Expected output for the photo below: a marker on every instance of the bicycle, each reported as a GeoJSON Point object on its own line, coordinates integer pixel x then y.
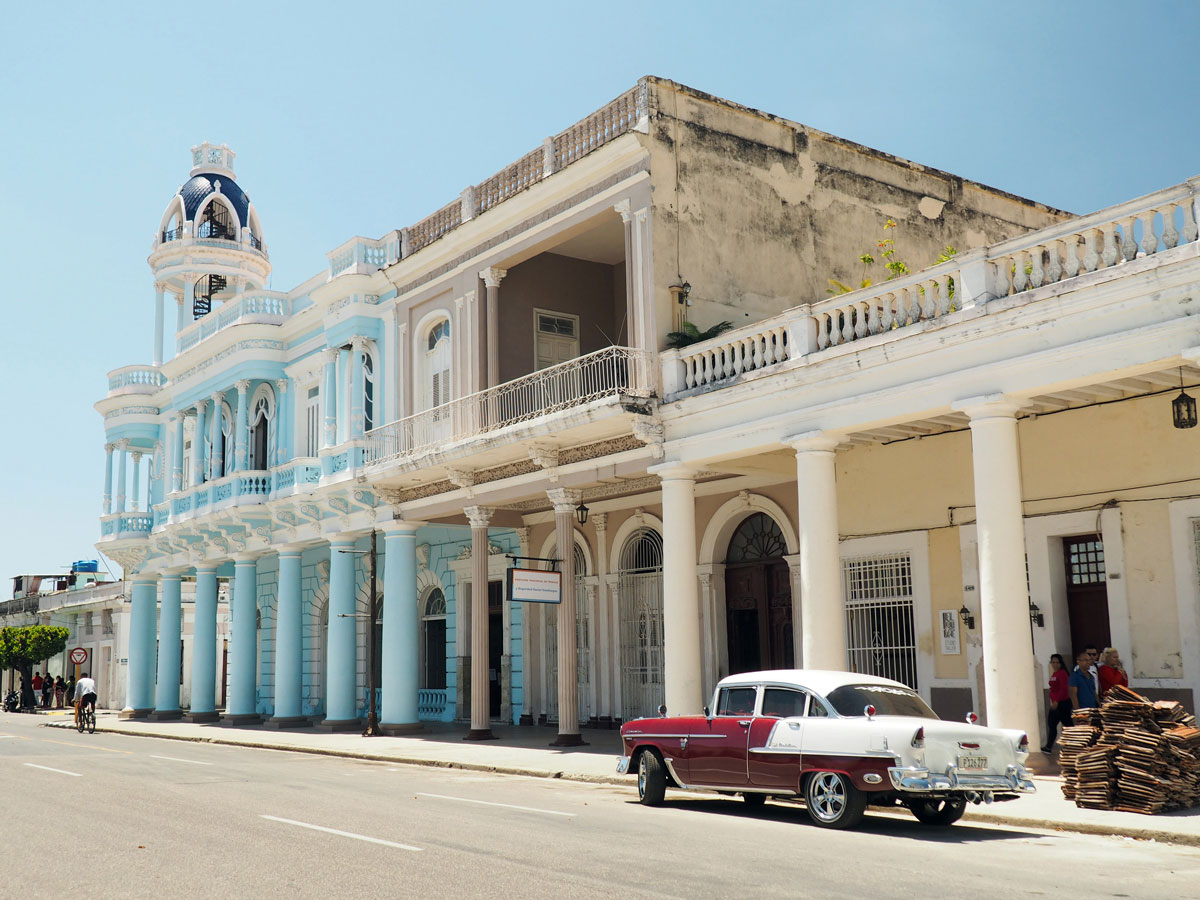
{"type": "Point", "coordinates": [87, 718]}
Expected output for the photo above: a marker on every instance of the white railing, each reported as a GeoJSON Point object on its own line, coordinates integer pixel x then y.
{"type": "Point", "coordinates": [611, 372]}
{"type": "Point", "coordinates": [1111, 237]}
{"type": "Point", "coordinates": [363, 256]}
{"type": "Point", "coordinates": [136, 379]}
{"type": "Point", "coordinates": [249, 309]}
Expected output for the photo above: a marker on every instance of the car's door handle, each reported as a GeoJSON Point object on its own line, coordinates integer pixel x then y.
{"type": "Point", "coordinates": [745, 723]}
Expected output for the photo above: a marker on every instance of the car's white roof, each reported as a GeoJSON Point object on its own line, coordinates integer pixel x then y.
{"type": "Point", "coordinates": [820, 680]}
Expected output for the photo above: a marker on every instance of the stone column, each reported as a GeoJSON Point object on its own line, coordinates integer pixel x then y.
{"type": "Point", "coordinates": [530, 649]}
{"type": "Point", "coordinates": [329, 398]}
{"type": "Point", "coordinates": [284, 419]}
{"type": "Point", "coordinates": [189, 299]}
{"type": "Point", "coordinates": [289, 642]}
{"type": "Point", "coordinates": [177, 452]}
{"type": "Point", "coordinates": [492, 276]}
{"type": "Point", "coordinates": [565, 502]}
{"type": "Point", "coordinates": [682, 678]}
{"type": "Point", "coordinates": [643, 281]}
{"type": "Point", "coordinates": [198, 445]}
{"type": "Point", "coordinates": [159, 288]}
{"type": "Point", "coordinates": [142, 631]}
{"type": "Point", "coordinates": [358, 347]}
{"type": "Point", "coordinates": [632, 328]}
{"type": "Point", "coordinates": [122, 448]}
{"type": "Point", "coordinates": [204, 646]}
{"type": "Point", "coordinates": [481, 729]}
{"type": "Point", "coordinates": [341, 702]}
{"type": "Point", "coordinates": [241, 427]}
{"type": "Point", "coordinates": [343, 409]}
{"type": "Point", "coordinates": [216, 460]}
{"type": "Point", "coordinates": [797, 585]}
{"type": "Point", "coordinates": [170, 629]}
{"type": "Point", "coordinates": [822, 610]}
{"type": "Point", "coordinates": [135, 501]}
{"type": "Point", "coordinates": [180, 317]}
{"type": "Point", "coordinates": [602, 649]}
{"type": "Point", "coordinates": [400, 678]}
{"type": "Point", "coordinates": [1010, 690]}
{"type": "Point", "coordinates": [107, 505]}
{"type": "Point", "coordinates": [242, 706]}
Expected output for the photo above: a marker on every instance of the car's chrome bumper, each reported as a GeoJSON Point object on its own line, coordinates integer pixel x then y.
{"type": "Point", "coordinates": [622, 765]}
{"type": "Point", "coordinates": [914, 779]}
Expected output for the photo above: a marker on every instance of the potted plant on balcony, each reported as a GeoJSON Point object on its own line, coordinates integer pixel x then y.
{"type": "Point", "coordinates": [689, 334]}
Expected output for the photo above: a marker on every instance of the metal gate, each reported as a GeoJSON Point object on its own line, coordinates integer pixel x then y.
{"type": "Point", "coordinates": [582, 646]}
{"type": "Point", "coordinates": [640, 586]}
{"type": "Point", "coordinates": [880, 631]}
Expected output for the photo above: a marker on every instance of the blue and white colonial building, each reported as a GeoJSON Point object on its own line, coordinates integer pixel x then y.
{"type": "Point", "coordinates": [942, 478]}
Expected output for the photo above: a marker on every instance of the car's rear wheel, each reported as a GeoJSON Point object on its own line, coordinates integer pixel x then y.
{"type": "Point", "coordinates": [754, 801]}
{"type": "Point", "coordinates": [938, 812]}
{"type": "Point", "coordinates": [833, 801]}
{"type": "Point", "coordinates": [652, 778]}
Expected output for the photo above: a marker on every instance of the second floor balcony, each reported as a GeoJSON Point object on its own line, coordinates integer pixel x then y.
{"type": "Point", "coordinates": [259, 308]}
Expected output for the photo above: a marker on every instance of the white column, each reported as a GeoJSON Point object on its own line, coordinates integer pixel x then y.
{"type": "Point", "coordinates": [122, 448]}
{"type": "Point", "coordinates": [481, 729]}
{"type": "Point", "coordinates": [189, 298]}
{"type": "Point", "coordinates": [492, 276]}
{"type": "Point", "coordinates": [241, 428]}
{"type": "Point", "coordinates": [357, 398]}
{"type": "Point", "coordinates": [681, 593]}
{"type": "Point", "coordinates": [797, 608]}
{"type": "Point", "coordinates": [565, 503]}
{"type": "Point", "coordinates": [632, 328]}
{"type": "Point", "coordinates": [198, 445]}
{"type": "Point", "coordinates": [602, 628]}
{"type": "Point", "coordinates": [823, 623]}
{"type": "Point", "coordinates": [177, 452]}
{"type": "Point", "coordinates": [1009, 685]}
{"type": "Point", "coordinates": [159, 287]}
{"type": "Point", "coordinates": [216, 462]}
{"type": "Point", "coordinates": [135, 499]}
{"type": "Point", "coordinates": [647, 338]}
{"type": "Point", "coordinates": [108, 499]}
{"type": "Point", "coordinates": [329, 402]}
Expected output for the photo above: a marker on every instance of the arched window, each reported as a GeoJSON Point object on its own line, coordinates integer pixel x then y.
{"type": "Point", "coordinates": [227, 459]}
{"type": "Point", "coordinates": [436, 365]}
{"type": "Point", "coordinates": [757, 538]}
{"type": "Point", "coordinates": [640, 593]}
{"type": "Point", "coordinates": [261, 414]}
{"type": "Point", "coordinates": [368, 391]}
{"type": "Point", "coordinates": [433, 641]}
{"type": "Point", "coordinates": [216, 221]}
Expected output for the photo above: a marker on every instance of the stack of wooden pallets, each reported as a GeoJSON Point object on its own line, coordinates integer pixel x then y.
{"type": "Point", "coordinates": [1132, 755]}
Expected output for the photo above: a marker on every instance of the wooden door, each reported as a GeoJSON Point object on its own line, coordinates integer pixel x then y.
{"type": "Point", "coordinates": [1087, 592]}
{"type": "Point", "coordinates": [746, 614]}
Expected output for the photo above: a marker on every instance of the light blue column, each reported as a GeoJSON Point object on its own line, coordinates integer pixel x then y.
{"type": "Point", "coordinates": [243, 654]}
{"type": "Point", "coordinates": [204, 644]}
{"type": "Point", "coordinates": [170, 627]}
{"type": "Point", "coordinates": [283, 427]}
{"type": "Point", "coordinates": [240, 428]}
{"type": "Point", "coordinates": [143, 612]}
{"type": "Point", "coordinates": [288, 637]}
{"type": "Point", "coordinates": [121, 477]}
{"type": "Point", "coordinates": [356, 389]}
{"type": "Point", "coordinates": [198, 445]}
{"type": "Point", "coordinates": [329, 399]}
{"type": "Point", "coordinates": [401, 675]}
{"type": "Point", "coordinates": [177, 453]}
{"type": "Point", "coordinates": [108, 456]}
{"type": "Point", "coordinates": [340, 668]}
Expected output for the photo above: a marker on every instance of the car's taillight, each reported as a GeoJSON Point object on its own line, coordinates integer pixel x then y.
{"type": "Point", "coordinates": [918, 740]}
{"type": "Point", "coordinates": [869, 711]}
{"type": "Point", "coordinates": [972, 718]}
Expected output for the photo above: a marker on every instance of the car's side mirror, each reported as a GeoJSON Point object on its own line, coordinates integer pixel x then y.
{"type": "Point", "coordinates": [707, 713]}
{"type": "Point", "coordinates": [662, 709]}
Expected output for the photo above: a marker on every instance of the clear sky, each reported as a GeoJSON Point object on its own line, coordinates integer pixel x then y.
{"type": "Point", "coordinates": [356, 118]}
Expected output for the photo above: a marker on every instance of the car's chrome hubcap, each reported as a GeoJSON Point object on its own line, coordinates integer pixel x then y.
{"type": "Point", "coordinates": [828, 797]}
{"type": "Point", "coordinates": [642, 776]}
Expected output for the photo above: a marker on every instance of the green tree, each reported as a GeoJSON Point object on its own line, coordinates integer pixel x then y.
{"type": "Point", "coordinates": [23, 647]}
{"type": "Point", "coordinates": [690, 334]}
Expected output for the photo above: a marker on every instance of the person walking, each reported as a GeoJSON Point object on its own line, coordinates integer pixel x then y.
{"type": "Point", "coordinates": [60, 688]}
{"type": "Point", "coordinates": [1112, 671]}
{"type": "Point", "coordinates": [47, 691]}
{"type": "Point", "coordinates": [1080, 686]}
{"type": "Point", "coordinates": [1060, 701]}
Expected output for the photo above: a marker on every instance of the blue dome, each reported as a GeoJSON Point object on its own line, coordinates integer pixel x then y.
{"type": "Point", "coordinates": [197, 188]}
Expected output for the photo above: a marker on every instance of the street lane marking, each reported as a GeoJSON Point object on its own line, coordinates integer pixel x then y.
{"type": "Point", "coordinates": [194, 762]}
{"type": "Point", "coordinates": [549, 812]}
{"type": "Point", "coordinates": [48, 769]}
{"type": "Point", "coordinates": [3, 736]}
{"type": "Point", "coordinates": [84, 746]}
{"type": "Point", "coordinates": [349, 834]}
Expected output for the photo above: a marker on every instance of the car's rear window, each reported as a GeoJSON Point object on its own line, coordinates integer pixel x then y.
{"type": "Point", "coordinates": [852, 699]}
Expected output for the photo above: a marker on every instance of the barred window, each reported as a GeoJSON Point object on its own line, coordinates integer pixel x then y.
{"type": "Point", "coordinates": [1085, 560]}
{"type": "Point", "coordinates": [880, 631]}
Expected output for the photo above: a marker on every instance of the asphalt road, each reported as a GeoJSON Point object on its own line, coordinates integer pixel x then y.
{"type": "Point", "coordinates": [155, 818]}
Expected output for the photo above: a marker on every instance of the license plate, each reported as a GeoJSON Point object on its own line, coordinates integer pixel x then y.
{"type": "Point", "coordinates": [972, 762]}
{"type": "Point", "coordinates": [622, 765]}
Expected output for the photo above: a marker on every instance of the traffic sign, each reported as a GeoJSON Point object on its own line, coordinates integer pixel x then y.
{"type": "Point", "coordinates": [79, 656]}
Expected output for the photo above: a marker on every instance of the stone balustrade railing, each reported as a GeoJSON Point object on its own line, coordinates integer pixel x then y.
{"type": "Point", "coordinates": [611, 372]}
{"type": "Point", "coordinates": [136, 380]}
{"type": "Point", "coordinates": [185, 236]}
{"type": "Point", "coordinates": [363, 256]}
{"type": "Point", "coordinates": [265, 308]}
{"type": "Point", "coordinates": [125, 525]}
{"type": "Point", "coordinates": [1111, 237]}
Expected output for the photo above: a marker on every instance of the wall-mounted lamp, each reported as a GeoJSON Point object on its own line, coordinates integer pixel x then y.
{"type": "Point", "coordinates": [967, 619]}
{"type": "Point", "coordinates": [581, 513]}
{"type": "Point", "coordinates": [680, 290]}
{"type": "Point", "coordinates": [1183, 407]}
{"type": "Point", "coordinates": [1036, 616]}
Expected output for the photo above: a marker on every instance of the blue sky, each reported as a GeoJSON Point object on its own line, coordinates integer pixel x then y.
{"type": "Point", "coordinates": [359, 118]}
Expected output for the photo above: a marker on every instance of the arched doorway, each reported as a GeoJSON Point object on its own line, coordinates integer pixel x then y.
{"type": "Point", "coordinates": [640, 593]}
{"type": "Point", "coordinates": [758, 598]}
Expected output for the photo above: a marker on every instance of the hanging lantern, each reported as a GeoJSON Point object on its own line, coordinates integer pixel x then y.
{"type": "Point", "coordinates": [1183, 407]}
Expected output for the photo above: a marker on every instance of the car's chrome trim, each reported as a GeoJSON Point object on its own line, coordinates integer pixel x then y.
{"type": "Point", "coordinates": [916, 779]}
{"type": "Point", "coordinates": [674, 775]}
{"type": "Point", "coordinates": [775, 792]}
{"type": "Point", "coordinates": [784, 751]}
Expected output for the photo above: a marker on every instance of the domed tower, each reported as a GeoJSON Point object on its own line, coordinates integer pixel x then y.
{"type": "Point", "coordinates": [209, 247]}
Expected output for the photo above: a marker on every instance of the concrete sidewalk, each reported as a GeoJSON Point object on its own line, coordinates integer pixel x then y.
{"type": "Point", "coordinates": [526, 751]}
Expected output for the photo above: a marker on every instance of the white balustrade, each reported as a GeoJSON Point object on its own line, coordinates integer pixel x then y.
{"type": "Point", "coordinates": [136, 379]}
{"type": "Point", "coordinates": [258, 309]}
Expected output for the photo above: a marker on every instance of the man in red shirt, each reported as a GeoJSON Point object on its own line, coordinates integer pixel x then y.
{"type": "Point", "coordinates": [37, 682]}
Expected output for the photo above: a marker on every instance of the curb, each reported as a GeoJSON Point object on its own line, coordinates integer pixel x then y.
{"type": "Point", "coordinates": [1089, 828]}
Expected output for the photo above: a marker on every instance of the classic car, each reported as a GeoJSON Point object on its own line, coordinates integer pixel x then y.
{"type": "Point", "coordinates": [836, 740]}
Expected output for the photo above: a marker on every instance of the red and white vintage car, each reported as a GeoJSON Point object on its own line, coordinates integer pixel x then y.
{"type": "Point", "coordinates": [837, 740]}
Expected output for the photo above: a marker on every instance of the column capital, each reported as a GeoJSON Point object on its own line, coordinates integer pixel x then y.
{"type": "Point", "coordinates": [206, 568]}
{"type": "Point", "coordinates": [458, 305]}
{"type": "Point", "coordinates": [492, 276]}
{"type": "Point", "coordinates": [564, 499]}
{"type": "Point", "coordinates": [200, 406]}
{"type": "Point", "coordinates": [358, 344]}
{"type": "Point", "coordinates": [242, 559]}
{"type": "Point", "coordinates": [399, 527]}
{"type": "Point", "coordinates": [345, 537]}
{"type": "Point", "coordinates": [673, 471]}
{"type": "Point", "coordinates": [217, 397]}
{"type": "Point", "coordinates": [290, 549]}
{"type": "Point", "coordinates": [137, 456]}
{"type": "Point", "coordinates": [281, 385]}
{"type": "Point", "coordinates": [160, 287]}
{"type": "Point", "coordinates": [242, 386]}
{"type": "Point", "coordinates": [110, 446]}
{"type": "Point", "coordinates": [624, 209]}
{"type": "Point", "coordinates": [810, 441]}
{"type": "Point", "coordinates": [600, 522]}
{"type": "Point", "coordinates": [331, 355]}
{"type": "Point", "coordinates": [478, 516]}
{"type": "Point", "coordinates": [988, 406]}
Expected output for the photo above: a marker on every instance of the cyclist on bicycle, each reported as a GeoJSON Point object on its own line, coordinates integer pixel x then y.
{"type": "Point", "coordinates": [85, 695]}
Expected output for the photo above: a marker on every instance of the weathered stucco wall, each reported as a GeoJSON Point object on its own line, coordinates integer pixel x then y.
{"type": "Point", "coordinates": [764, 211]}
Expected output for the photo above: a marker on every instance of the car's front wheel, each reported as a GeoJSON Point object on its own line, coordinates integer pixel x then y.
{"type": "Point", "coordinates": [833, 801]}
{"type": "Point", "coordinates": [652, 778]}
{"type": "Point", "coordinates": [938, 812]}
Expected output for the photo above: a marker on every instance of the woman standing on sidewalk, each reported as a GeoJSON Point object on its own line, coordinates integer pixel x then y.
{"type": "Point", "coordinates": [1111, 671]}
{"type": "Point", "coordinates": [1060, 701]}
